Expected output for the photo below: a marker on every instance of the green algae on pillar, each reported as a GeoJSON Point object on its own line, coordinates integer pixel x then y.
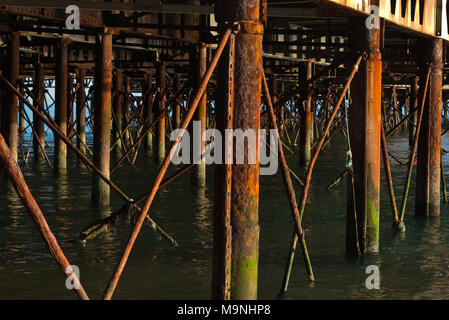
{"type": "Point", "coordinates": [160, 126]}
{"type": "Point", "coordinates": [10, 126]}
{"type": "Point", "coordinates": [81, 111]}
{"type": "Point", "coordinates": [365, 135]}
{"type": "Point", "coordinates": [199, 171]}
{"type": "Point", "coordinates": [428, 171]}
{"type": "Point", "coordinates": [102, 118]}
{"type": "Point", "coordinates": [245, 177]}
{"type": "Point", "coordinates": [60, 149]}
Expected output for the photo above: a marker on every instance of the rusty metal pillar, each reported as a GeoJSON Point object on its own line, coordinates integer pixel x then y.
{"type": "Point", "coordinates": [413, 106]}
{"type": "Point", "coordinates": [38, 124]}
{"type": "Point", "coordinates": [61, 101]}
{"type": "Point", "coordinates": [306, 135]}
{"type": "Point", "coordinates": [81, 110]}
{"type": "Point", "coordinates": [125, 110]}
{"type": "Point", "coordinates": [245, 177]}
{"type": "Point", "coordinates": [199, 171]}
{"type": "Point", "coordinates": [102, 117]}
{"type": "Point", "coordinates": [160, 127]}
{"type": "Point", "coordinates": [22, 112]}
{"type": "Point", "coordinates": [117, 110]}
{"type": "Point", "coordinates": [10, 126]}
{"type": "Point", "coordinates": [70, 100]}
{"type": "Point", "coordinates": [148, 110]}
{"type": "Point", "coordinates": [365, 134]}
{"type": "Point", "coordinates": [428, 174]}
{"type": "Point", "coordinates": [177, 115]}
{"type": "Point", "coordinates": [224, 107]}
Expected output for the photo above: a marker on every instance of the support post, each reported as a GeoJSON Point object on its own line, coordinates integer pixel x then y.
{"type": "Point", "coordinates": [306, 121]}
{"type": "Point", "coordinates": [148, 111]}
{"type": "Point", "coordinates": [365, 135]}
{"type": "Point", "coordinates": [125, 112]}
{"type": "Point", "coordinates": [22, 112]}
{"type": "Point", "coordinates": [60, 149]}
{"type": "Point", "coordinates": [160, 128]}
{"type": "Point", "coordinates": [102, 117]}
{"type": "Point", "coordinates": [199, 171]}
{"type": "Point", "coordinates": [177, 104]}
{"type": "Point", "coordinates": [10, 126]}
{"type": "Point", "coordinates": [245, 177]}
{"type": "Point", "coordinates": [428, 171]}
{"type": "Point", "coordinates": [414, 106]}
{"type": "Point", "coordinates": [39, 93]}
{"type": "Point", "coordinates": [117, 110]}
{"type": "Point", "coordinates": [81, 111]}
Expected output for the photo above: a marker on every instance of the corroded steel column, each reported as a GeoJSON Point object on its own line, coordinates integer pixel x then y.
{"type": "Point", "coordinates": [160, 127]}
{"type": "Point", "coordinates": [148, 112]}
{"type": "Point", "coordinates": [306, 121]}
{"type": "Point", "coordinates": [38, 124]}
{"type": "Point", "coordinates": [21, 112]}
{"type": "Point", "coordinates": [245, 177]}
{"type": "Point", "coordinates": [61, 101]}
{"type": "Point", "coordinates": [413, 106]}
{"type": "Point", "coordinates": [428, 174]}
{"type": "Point", "coordinates": [177, 115]}
{"type": "Point", "coordinates": [10, 126]}
{"type": "Point", "coordinates": [365, 134]}
{"type": "Point", "coordinates": [69, 102]}
{"type": "Point", "coordinates": [199, 171]}
{"type": "Point", "coordinates": [125, 110]}
{"type": "Point", "coordinates": [117, 110]}
{"type": "Point", "coordinates": [102, 117]}
{"type": "Point", "coordinates": [81, 110]}
{"type": "Point", "coordinates": [224, 117]}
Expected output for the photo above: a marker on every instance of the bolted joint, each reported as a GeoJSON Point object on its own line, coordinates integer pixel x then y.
{"type": "Point", "coordinates": [248, 27]}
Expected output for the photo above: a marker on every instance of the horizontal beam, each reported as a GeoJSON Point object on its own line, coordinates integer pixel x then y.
{"type": "Point", "coordinates": [150, 6]}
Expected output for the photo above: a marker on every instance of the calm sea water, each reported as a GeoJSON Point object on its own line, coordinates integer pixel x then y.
{"type": "Point", "coordinates": [413, 266]}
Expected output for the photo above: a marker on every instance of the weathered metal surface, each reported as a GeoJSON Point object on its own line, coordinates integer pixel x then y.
{"type": "Point", "coordinates": [81, 110]}
{"type": "Point", "coordinates": [148, 110]}
{"type": "Point", "coordinates": [224, 118]}
{"type": "Point", "coordinates": [365, 134]}
{"type": "Point", "coordinates": [427, 200]}
{"type": "Point", "coordinates": [10, 125]}
{"type": "Point", "coordinates": [245, 177]}
{"type": "Point", "coordinates": [117, 111]}
{"type": "Point", "coordinates": [161, 84]}
{"type": "Point", "coordinates": [177, 113]}
{"type": "Point", "coordinates": [38, 124]}
{"type": "Point", "coordinates": [199, 171]}
{"type": "Point", "coordinates": [61, 101]}
{"type": "Point", "coordinates": [306, 134]}
{"type": "Point", "coordinates": [102, 117]}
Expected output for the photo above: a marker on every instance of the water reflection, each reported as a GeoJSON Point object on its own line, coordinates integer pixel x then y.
{"type": "Point", "coordinates": [412, 264]}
